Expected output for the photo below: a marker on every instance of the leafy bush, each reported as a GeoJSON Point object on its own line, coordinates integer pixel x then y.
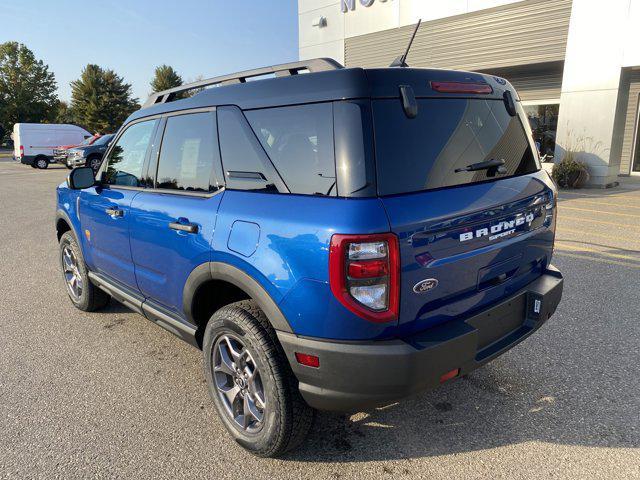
{"type": "Point", "coordinates": [569, 172]}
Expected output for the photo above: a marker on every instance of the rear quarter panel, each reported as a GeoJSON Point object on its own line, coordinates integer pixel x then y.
{"type": "Point", "coordinates": [291, 256]}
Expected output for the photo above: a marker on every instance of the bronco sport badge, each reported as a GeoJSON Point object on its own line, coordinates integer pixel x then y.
{"type": "Point", "coordinates": [500, 229]}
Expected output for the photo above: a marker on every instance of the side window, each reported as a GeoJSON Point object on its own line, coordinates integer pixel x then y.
{"type": "Point", "coordinates": [299, 142]}
{"type": "Point", "coordinates": [188, 152]}
{"type": "Point", "coordinates": [126, 159]}
{"type": "Point", "coordinates": [246, 167]}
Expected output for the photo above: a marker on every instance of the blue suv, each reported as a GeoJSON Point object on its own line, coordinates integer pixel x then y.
{"type": "Point", "coordinates": [331, 238]}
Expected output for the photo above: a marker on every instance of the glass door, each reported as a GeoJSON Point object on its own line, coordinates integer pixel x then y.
{"type": "Point", "coordinates": [543, 118]}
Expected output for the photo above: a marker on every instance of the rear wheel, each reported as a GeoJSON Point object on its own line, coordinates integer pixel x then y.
{"type": "Point", "coordinates": [41, 162]}
{"type": "Point", "coordinates": [82, 293]}
{"type": "Point", "coordinates": [251, 382]}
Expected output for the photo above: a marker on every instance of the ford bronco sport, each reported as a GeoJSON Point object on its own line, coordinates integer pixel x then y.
{"type": "Point", "coordinates": [330, 238]}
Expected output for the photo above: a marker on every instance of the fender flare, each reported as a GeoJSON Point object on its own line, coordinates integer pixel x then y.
{"type": "Point", "coordinates": [62, 215]}
{"type": "Point", "coordinates": [228, 273]}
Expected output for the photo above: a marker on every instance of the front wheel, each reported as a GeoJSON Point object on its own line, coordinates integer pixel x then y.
{"type": "Point", "coordinates": [82, 293]}
{"type": "Point", "coordinates": [95, 163]}
{"type": "Point", "coordinates": [251, 383]}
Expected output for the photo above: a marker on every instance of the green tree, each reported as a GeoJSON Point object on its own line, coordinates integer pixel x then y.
{"type": "Point", "coordinates": [64, 113]}
{"type": "Point", "coordinates": [165, 78]}
{"type": "Point", "coordinates": [101, 100]}
{"type": "Point", "coordinates": [27, 87]}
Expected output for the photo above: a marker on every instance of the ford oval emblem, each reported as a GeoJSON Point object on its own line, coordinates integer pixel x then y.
{"type": "Point", "coordinates": [424, 286]}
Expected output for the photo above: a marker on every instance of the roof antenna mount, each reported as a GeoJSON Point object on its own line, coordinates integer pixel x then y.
{"type": "Point", "coordinates": [401, 61]}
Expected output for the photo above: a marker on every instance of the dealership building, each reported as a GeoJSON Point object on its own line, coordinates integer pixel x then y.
{"type": "Point", "coordinates": [575, 64]}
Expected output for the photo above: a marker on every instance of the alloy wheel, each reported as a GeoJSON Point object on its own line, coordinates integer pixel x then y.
{"type": "Point", "coordinates": [72, 275]}
{"type": "Point", "coordinates": [95, 164]}
{"type": "Point", "coordinates": [239, 383]}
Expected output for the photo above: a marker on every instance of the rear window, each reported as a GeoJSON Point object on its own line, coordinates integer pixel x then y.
{"type": "Point", "coordinates": [423, 153]}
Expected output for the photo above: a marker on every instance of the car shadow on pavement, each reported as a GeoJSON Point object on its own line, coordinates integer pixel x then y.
{"type": "Point", "coordinates": [492, 407]}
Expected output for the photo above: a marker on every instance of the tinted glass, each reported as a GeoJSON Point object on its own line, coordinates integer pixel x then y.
{"type": "Point", "coordinates": [543, 120]}
{"type": "Point", "coordinates": [126, 159]}
{"type": "Point", "coordinates": [299, 142]}
{"type": "Point", "coordinates": [187, 153]}
{"type": "Point", "coordinates": [103, 140]}
{"type": "Point", "coordinates": [245, 164]}
{"type": "Point", "coordinates": [448, 134]}
{"type": "Point", "coordinates": [353, 130]}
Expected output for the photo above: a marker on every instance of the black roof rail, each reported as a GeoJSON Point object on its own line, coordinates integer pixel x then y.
{"type": "Point", "coordinates": [282, 70]}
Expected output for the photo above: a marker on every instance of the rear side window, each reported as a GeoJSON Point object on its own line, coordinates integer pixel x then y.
{"type": "Point", "coordinates": [187, 153]}
{"type": "Point", "coordinates": [126, 159]}
{"type": "Point", "coordinates": [246, 167]}
{"type": "Point", "coordinates": [448, 134]}
{"type": "Point", "coordinates": [299, 142]}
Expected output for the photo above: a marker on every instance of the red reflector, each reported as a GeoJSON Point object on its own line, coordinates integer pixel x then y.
{"type": "Point", "coordinates": [461, 87]}
{"type": "Point", "coordinates": [308, 360]}
{"type": "Point", "coordinates": [370, 269]}
{"type": "Point", "coordinates": [449, 375]}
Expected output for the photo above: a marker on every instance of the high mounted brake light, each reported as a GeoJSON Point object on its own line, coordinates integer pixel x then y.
{"type": "Point", "coordinates": [461, 87]}
{"type": "Point", "coordinates": [364, 274]}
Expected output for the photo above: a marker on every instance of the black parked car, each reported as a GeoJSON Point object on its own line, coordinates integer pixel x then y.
{"type": "Point", "coordinates": [89, 155]}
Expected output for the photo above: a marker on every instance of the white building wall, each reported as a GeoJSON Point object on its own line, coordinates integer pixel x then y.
{"type": "Point", "coordinates": [602, 39]}
{"type": "Point", "coordinates": [328, 41]}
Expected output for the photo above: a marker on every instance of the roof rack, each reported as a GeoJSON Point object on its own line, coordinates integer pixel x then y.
{"type": "Point", "coordinates": [282, 70]}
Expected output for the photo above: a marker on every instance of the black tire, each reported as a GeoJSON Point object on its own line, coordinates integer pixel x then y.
{"type": "Point", "coordinates": [41, 163]}
{"type": "Point", "coordinates": [33, 164]}
{"type": "Point", "coordinates": [286, 417]}
{"type": "Point", "coordinates": [90, 298]}
{"type": "Point", "coordinates": [94, 163]}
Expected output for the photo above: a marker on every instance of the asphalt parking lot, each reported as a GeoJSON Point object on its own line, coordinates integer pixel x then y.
{"type": "Point", "coordinates": [110, 394]}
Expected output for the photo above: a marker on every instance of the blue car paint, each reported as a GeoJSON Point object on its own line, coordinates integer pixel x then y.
{"type": "Point", "coordinates": [163, 258]}
{"type": "Point", "coordinates": [244, 238]}
{"type": "Point", "coordinates": [290, 261]}
{"type": "Point", "coordinates": [109, 235]}
{"type": "Point", "coordinates": [428, 226]}
{"type": "Point", "coordinates": [293, 253]}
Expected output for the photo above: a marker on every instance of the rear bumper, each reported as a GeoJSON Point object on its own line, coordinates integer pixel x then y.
{"type": "Point", "coordinates": [362, 375]}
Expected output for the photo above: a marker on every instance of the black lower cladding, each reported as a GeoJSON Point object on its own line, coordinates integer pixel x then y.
{"type": "Point", "coordinates": [356, 376]}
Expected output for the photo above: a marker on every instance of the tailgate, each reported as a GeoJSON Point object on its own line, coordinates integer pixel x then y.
{"type": "Point", "coordinates": [461, 249]}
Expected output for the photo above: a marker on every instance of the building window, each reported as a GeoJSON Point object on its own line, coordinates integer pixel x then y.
{"type": "Point", "coordinates": [543, 119]}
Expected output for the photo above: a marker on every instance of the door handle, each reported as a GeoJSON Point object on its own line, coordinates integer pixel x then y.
{"type": "Point", "coordinates": [184, 227]}
{"type": "Point", "coordinates": [114, 212]}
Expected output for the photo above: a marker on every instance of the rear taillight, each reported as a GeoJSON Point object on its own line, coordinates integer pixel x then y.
{"type": "Point", "coordinates": [364, 274]}
{"type": "Point", "coordinates": [21, 151]}
{"type": "Point", "coordinates": [461, 87]}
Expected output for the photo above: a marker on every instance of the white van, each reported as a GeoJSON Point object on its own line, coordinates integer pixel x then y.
{"type": "Point", "coordinates": [34, 142]}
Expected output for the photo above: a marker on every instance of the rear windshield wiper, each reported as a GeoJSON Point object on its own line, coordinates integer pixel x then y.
{"type": "Point", "coordinates": [489, 164]}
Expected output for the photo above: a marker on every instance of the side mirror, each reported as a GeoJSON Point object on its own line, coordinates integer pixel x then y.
{"type": "Point", "coordinates": [81, 177]}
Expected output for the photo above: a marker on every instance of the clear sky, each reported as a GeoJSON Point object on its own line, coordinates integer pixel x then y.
{"type": "Point", "coordinates": [132, 37]}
